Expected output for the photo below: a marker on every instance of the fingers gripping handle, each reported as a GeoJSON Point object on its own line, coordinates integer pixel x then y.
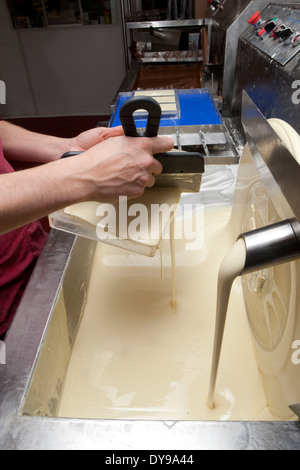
{"type": "Point", "coordinates": [126, 117]}
{"type": "Point", "coordinates": [172, 162]}
{"type": "Point", "coordinates": [136, 103]}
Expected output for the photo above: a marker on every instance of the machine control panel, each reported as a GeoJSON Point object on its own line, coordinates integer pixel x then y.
{"type": "Point", "coordinates": [276, 32]}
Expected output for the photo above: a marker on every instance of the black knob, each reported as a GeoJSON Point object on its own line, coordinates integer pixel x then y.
{"type": "Point", "coordinates": [286, 33]}
{"type": "Point", "coordinates": [215, 4]}
{"type": "Point", "coordinates": [271, 24]}
{"type": "Point", "coordinates": [278, 30]}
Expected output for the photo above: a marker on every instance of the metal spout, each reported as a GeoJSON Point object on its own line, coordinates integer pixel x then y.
{"type": "Point", "coordinates": [274, 244]}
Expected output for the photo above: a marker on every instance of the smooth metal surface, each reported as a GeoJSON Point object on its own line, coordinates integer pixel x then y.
{"type": "Point", "coordinates": [186, 182]}
{"type": "Point", "coordinates": [278, 168]}
{"type": "Point", "coordinates": [167, 23]}
{"type": "Point", "coordinates": [124, 32]}
{"type": "Point", "coordinates": [273, 88]}
{"type": "Point", "coordinates": [259, 201]}
{"type": "Point", "coordinates": [271, 245]}
{"type": "Point", "coordinates": [229, 12]}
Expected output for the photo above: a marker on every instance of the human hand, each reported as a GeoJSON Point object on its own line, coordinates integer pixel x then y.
{"type": "Point", "coordinates": [121, 166]}
{"type": "Point", "coordinates": [91, 137]}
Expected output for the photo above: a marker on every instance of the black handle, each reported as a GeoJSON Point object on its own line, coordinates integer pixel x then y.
{"type": "Point", "coordinates": [70, 154]}
{"type": "Point", "coordinates": [154, 115]}
{"type": "Point", "coordinates": [172, 162]}
{"type": "Point", "coordinates": [177, 162]}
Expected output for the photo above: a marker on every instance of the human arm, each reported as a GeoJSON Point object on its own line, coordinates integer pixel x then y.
{"type": "Point", "coordinates": [19, 144]}
{"type": "Point", "coordinates": [118, 166]}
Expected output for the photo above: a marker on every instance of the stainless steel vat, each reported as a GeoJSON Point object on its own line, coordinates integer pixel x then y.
{"type": "Point", "coordinates": [59, 285]}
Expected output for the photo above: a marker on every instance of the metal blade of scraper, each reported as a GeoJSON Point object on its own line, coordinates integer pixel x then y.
{"type": "Point", "coordinates": [295, 409]}
{"type": "Point", "coordinates": [181, 170]}
{"type": "Point", "coordinates": [268, 151]}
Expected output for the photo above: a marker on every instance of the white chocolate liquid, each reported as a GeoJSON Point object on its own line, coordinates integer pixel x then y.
{"type": "Point", "coordinates": [136, 357]}
{"type": "Point", "coordinates": [231, 267]}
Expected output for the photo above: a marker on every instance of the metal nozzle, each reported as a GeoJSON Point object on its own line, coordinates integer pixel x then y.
{"type": "Point", "coordinates": [271, 245]}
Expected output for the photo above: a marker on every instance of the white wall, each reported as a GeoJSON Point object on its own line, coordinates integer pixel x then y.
{"type": "Point", "coordinates": [61, 71]}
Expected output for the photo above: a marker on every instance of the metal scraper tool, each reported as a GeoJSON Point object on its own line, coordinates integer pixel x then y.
{"type": "Point", "coordinates": [182, 170]}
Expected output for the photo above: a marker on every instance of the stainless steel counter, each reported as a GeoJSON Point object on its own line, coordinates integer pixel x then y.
{"type": "Point", "coordinates": [34, 432]}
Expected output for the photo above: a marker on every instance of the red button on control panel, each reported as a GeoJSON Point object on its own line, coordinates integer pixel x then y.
{"type": "Point", "coordinates": [254, 18]}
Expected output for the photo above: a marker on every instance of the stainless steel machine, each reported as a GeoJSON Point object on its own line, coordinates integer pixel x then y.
{"type": "Point", "coordinates": [212, 63]}
{"type": "Point", "coordinates": [267, 209]}
{"type": "Point", "coordinates": [271, 73]}
{"type": "Point", "coordinates": [40, 343]}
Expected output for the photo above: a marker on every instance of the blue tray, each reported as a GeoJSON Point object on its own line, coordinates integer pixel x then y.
{"type": "Point", "coordinates": [197, 108]}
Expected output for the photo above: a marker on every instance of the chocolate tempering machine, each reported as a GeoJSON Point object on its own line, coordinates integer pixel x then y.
{"type": "Point", "coordinates": [244, 170]}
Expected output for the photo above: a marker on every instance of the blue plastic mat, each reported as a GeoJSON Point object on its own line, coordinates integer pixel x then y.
{"type": "Point", "coordinates": [197, 108]}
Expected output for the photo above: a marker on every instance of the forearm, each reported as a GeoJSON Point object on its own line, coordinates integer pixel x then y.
{"type": "Point", "coordinates": [22, 145]}
{"type": "Point", "coordinates": [103, 173]}
{"type": "Point", "coordinates": [31, 194]}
